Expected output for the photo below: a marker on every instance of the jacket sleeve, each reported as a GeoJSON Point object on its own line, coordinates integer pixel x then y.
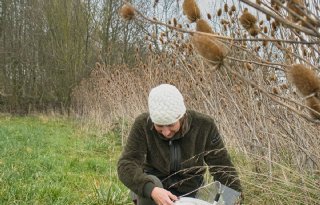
{"type": "Point", "coordinates": [219, 161]}
{"type": "Point", "coordinates": [130, 164]}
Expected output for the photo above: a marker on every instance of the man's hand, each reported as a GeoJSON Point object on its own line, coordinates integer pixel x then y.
{"type": "Point", "coordinates": [163, 197]}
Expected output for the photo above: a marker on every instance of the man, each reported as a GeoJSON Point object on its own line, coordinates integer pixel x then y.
{"type": "Point", "coordinates": [169, 148]}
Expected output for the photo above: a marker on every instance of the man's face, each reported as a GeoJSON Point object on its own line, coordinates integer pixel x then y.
{"type": "Point", "coordinates": [168, 131]}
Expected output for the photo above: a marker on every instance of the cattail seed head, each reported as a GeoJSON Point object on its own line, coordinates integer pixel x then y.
{"type": "Point", "coordinates": [210, 48]}
{"type": "Point", "coordinates": [203, 26]}
{"type": "Point", "coordinates": [247, 20]}
{"type": "Point", "coordinates": [304, 79]}
{"type": "Point", "coordinates": [191, 9]}
{"type": "Point", "coordinates": [127, 11]}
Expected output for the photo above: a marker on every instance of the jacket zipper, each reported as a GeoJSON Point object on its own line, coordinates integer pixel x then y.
{"type": "Point", "coordinates": [174, 156]}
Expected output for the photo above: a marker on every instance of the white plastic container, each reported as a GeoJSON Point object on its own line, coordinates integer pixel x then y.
{"type": "Point", "coordinates": [191, 201]}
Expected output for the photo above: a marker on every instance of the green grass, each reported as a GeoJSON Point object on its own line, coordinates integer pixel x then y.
{"type": "Point", "coordinates": [52, 161]}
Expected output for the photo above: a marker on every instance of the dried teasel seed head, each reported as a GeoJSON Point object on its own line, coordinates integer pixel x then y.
{"type": "Point", "coordinates": [275, 5]}
{"type": "Point", "coordinates": [226, 7]}
{"type": "Point", "coordinates": [247, 20]}
{"type": "Point", "coordinates": [203, 26]}
{"type": "Point", "coordinates": [264, 43]}
{"type": "Point", "coordinates": [225, 28]}
{"type": "Point", "coordinates": [253, 31]}
{"type": "Point", "coordinates": [265, 29]}
{"type": "Point", "coordinates": [284, 86]}
{"type": "Point", "coordinates": [175, 22]}
{"type": "Point", "coordinates": [191, 9]}
{"type": "Point", "coordinates": [304, 79]}
{"type": "Point", "coordinates": [314, 103]}
{"type": "Point", "coordinates": [304, 52]}
{"type": "Point", "coordinates": [273, 78]}
{"type": "Point", "coordinates": [275, 90]}
{"type": "Point", "coordinates": [127, 11]}
{"type": "Point", "coordinates": [268, 17]}
{"type": "Point", "coordinates": [297, 7]}
{"type": "Point", "coordinates": [223, 21]}
{"type": "Point", "coordinates": [233, 8]}
{"type": "Point", "coordinates": [275, 25]}
{"type": "Point", "coordinates": [219, 13]}
{"type": "Point", "coordinates": [210, 48]}
{"type": "Point", "coordinates": [248, 66]}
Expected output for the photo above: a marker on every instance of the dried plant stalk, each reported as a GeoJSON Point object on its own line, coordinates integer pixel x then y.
{"type": "Point", "coordinates": [191, 9]}
{"type": "Point", "coordinates": [304, 79]}
{"type": "Point", "coordinates": [203, 26]}
{"type": "Point", "coordinates": [210, 48]}
{"type": "Point", "coordinates": [127, 11]}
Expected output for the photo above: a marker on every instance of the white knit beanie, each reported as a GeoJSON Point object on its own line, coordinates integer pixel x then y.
{"type": "Point", "coordinates": [166, 104]}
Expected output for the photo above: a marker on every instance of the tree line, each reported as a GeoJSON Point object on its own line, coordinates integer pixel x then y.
{"type": "Point", "coordinates": [48, 46]}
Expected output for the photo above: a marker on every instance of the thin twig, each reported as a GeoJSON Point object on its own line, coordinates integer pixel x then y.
{"type": "Point", "coordinates": [268, 64]}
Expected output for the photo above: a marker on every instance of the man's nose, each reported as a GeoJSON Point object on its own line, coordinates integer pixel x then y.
{"type": "Point", "coordinates": [166, 131]}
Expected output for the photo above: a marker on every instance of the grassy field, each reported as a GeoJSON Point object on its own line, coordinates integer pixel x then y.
{"type": "Point", "coordinates": [53, 161]}
{"type": "Point", "coordinates": [47, 160]}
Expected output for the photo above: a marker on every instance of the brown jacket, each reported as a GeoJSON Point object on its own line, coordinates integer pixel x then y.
{"type": "Point", "coordinates": [179, 162]}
